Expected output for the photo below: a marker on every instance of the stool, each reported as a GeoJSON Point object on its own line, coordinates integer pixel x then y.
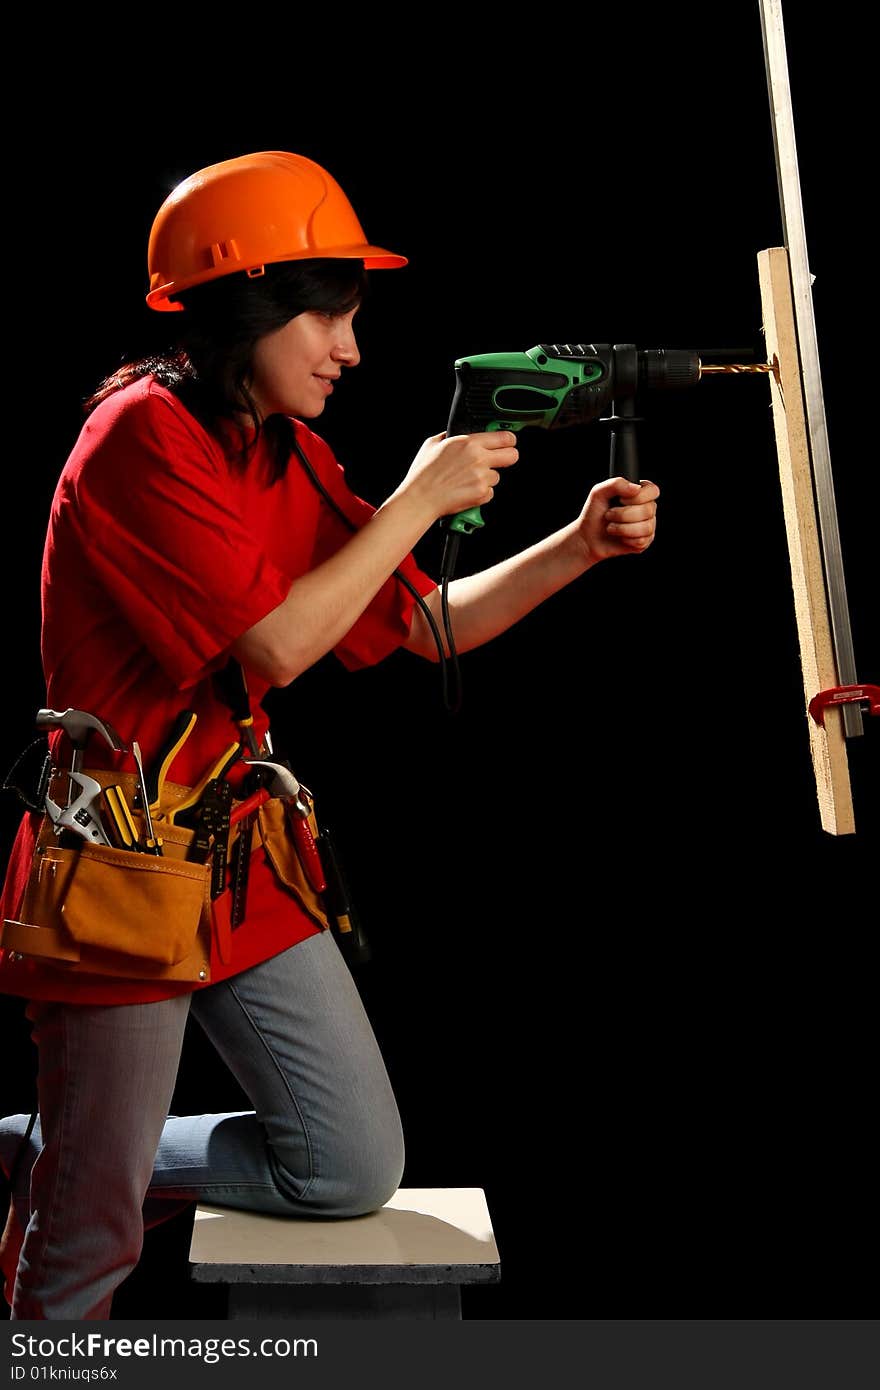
{"type": "Point", "coordinates": [407, 1260]}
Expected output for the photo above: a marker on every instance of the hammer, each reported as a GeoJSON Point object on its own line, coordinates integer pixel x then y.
{"type": "Point", "coordinates": [324, 873]}
{"type": "Point", "coordinates": [78, 724]}
{"type": "Point", "coordinates": [279, 781]}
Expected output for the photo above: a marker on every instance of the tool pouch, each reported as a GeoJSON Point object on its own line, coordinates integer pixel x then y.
{"type": "Point", "coordinates": [276, 839]}
{"type": "Point", "coordinates": [116, 912]}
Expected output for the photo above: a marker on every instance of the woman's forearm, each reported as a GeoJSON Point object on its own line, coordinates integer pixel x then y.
{"type": "Point", "coordinates": [618, 518]}
{"type": "Point", "coordinates": [446, 476]}
{"type": "Point", "coordinates": [483, 605]}
{"type": "Point", "coordinates": [323, 604]}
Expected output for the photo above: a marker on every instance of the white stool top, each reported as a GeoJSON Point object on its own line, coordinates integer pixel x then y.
{"type": "Point", "coordinates": [422, 1235]}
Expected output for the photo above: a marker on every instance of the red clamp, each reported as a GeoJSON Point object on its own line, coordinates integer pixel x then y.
{"type": "Point", "coordinates": [844, 695]}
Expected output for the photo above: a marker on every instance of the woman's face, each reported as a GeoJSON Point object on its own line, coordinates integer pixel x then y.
{"type": "Point", "coordinates": [294, 368]}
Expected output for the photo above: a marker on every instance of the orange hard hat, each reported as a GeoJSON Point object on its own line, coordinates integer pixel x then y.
{"type": "Point", "coordinates": [244, 214]}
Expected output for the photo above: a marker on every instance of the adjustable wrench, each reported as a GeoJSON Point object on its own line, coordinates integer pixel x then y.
{"type": "Point", "coordinates": [77, 816]}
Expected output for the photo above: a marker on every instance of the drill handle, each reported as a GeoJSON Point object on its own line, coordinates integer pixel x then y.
{"type": "Point", "coordinates": [464, 420]}
{"type": "Point", "coordinates": [624, 451]}
{"type": "Point", "coordinates": [472, 410]}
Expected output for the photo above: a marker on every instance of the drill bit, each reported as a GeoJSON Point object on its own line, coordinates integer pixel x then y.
{"type": "Point", "coordinates": [737, 367]}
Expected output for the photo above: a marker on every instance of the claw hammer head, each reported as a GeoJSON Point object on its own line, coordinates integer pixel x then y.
{"type": "Point", "coordinates": [279, 781]}
{"type": "Point", "coordinates": [78, 724]}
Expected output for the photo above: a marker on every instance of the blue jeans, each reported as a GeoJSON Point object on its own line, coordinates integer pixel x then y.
{"type": "Point", "coordinates": [324, 1137]}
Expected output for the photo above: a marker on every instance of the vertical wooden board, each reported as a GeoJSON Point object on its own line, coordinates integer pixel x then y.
{"type": "Point", "coordinates": [828, 744]}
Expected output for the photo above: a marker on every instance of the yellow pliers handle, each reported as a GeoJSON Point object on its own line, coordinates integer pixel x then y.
{"type": "Point", "coordinates": [216, 769]}
{"type": "Point", "coordinates": [158, 770]}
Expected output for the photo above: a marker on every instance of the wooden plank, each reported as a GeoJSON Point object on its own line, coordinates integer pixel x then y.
{"type": "Point", "coordinates": [828, 744]}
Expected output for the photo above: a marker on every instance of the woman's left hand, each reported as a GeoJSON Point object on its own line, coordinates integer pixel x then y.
{"type": "Point", "coordinates": [605, 530]}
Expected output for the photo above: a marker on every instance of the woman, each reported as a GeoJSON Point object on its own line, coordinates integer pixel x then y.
{"type": "Point", "coordinates": [200, 528]}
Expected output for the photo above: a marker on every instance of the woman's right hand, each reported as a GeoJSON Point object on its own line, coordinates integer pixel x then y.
{"type": "Point", "coordinates": [450, 474]}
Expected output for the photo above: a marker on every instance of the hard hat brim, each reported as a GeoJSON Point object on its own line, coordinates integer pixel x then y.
{"type": "Point", "coordinates": [373, 257]}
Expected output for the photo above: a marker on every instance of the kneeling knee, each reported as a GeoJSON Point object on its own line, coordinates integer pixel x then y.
{"type": "Point", "coordinates": [355, 1188]}
{"type": "Point", "coordinates": [366, 1192]}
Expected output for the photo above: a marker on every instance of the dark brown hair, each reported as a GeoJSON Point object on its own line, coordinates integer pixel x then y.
{"type": "Point", "coordinates": [209, 366]}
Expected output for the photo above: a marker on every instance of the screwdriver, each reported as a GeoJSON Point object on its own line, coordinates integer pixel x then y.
{"type": "Point", "coordinates": [121, 819]}
{"type": "Point", "coordinates": [152, 845]}
{"type": "Point", "coordinates": [231, 686]}
{"type": "Point", "coordinates": [349, 930]}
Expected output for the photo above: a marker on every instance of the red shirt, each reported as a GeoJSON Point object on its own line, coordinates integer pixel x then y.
{"type": "Point", "coordinates": [159, 555]}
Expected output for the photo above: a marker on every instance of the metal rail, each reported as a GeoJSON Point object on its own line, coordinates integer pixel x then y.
{"type": "Point", "coordinates": [779, 91]}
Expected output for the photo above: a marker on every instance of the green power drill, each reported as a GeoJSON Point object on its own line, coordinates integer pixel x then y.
{"type": "Point", "coordinates": [555, 385]}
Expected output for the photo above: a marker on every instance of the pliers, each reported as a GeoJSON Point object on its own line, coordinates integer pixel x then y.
{"type": "Point", "coordinates": [215, 771]}
{"type": "Point", "coordinates": [180, 732]}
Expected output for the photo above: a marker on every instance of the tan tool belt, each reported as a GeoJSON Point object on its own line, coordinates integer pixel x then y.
{"type": "Point", "coordinates": [107, 911]}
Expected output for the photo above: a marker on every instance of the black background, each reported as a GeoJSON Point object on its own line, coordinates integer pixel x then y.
{"type": "Point", "coordinates": [620, 973]}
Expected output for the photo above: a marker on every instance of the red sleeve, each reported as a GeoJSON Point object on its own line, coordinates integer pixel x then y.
{"type": "Point", "coordinates": [164, 537]}
{"type": "Point", "coordinates": [385, 623]}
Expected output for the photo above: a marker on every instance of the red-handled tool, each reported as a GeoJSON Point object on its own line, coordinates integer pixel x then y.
{"type": "Point", "coordinates": [279, 781]}
{"type": "Point", "coordinates": [253, 803]}
{"type": "Point", "coordinates": [307, 849]}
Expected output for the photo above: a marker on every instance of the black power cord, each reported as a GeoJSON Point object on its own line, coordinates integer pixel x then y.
{"type": "Point", "coordinates": [34, 794]}
{"type": "Point", "coordinates": [448, 664]}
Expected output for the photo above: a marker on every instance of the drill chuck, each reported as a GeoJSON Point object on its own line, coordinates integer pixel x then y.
{"type": "Point", "coordinates": [669, 369]}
